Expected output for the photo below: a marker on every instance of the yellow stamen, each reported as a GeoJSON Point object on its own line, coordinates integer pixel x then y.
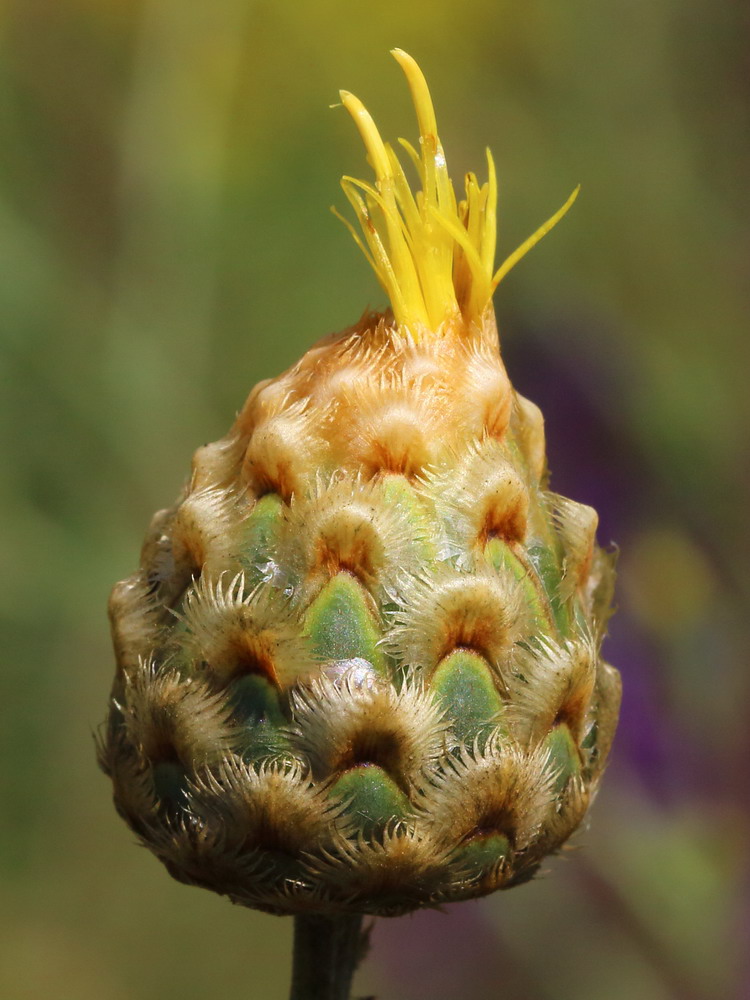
{"type": "Point", "coordinates": [433, 256]}
{"type": "Point", "coordinates": [532, 241]}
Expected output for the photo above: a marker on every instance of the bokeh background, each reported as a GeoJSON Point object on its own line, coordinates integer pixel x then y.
{"type": "Point", "coordinates": [165, 242]}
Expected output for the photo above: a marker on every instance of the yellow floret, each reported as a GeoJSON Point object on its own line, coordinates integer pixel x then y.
{"type": "Point", "coordinates": [433, 255]}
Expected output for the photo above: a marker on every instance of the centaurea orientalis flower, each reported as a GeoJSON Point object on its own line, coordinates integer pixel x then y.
{"type": "Point", "coordinates": [358, 669]}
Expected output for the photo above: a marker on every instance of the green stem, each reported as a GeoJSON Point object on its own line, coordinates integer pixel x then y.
{"type": "Point", "coordinates": [327, 950]}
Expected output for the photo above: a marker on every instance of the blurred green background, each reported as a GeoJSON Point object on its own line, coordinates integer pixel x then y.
{"type": "Point", "coordinates": [165, 242]}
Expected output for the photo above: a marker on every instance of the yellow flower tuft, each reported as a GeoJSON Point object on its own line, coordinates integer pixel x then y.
{"type": "Point", "coordinates": [432, 254]}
